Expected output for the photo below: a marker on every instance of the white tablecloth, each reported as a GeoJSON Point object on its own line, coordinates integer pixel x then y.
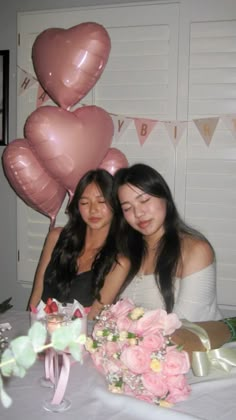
{"type": "Point", "coordinates": [213, 397]}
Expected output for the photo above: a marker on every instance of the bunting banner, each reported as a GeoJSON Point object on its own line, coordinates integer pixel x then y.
{"type": "Point", "coordinates": [144, 126]}
{"type": "Point", "coordinates": [175, 129]}
{"type": "Point", "coordinates": [230, 123]}
{"type": "Point", "coordinates": [42, 96]}
{"type": "Point", "coordinates": [120, 125]}
{"type": "Point", "coordinates": [25, 81]}
{"type": "Point", "coordinates": [206, 127]}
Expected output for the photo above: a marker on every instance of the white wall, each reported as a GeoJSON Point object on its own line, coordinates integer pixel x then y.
{"type": "Point", "coordinates": [8, 37]}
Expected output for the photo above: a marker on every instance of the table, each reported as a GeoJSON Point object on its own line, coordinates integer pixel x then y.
{"type": "Point", "coordinates": [211, 397]}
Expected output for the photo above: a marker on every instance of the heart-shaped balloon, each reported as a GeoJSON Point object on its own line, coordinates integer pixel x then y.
{"type": "Point", "coordinates": [68, 62]}
{"type": "Point", "coordinates": [68, 144]}
{"type": "Point", "coordinates": [114, 160]}
{"type": "Point", "coordinates": [30, 180]}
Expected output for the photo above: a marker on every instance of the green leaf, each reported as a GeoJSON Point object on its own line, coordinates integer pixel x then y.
{"type": "Point", "coordinates": [23, 351]}
{"type": "Point", "coordinates": [61, 338]}
{"type": "Point", "coordinates": [37, 335]}
{"type": "Point", "coordinates": [66, 335]}
{"type": "Point", "coordinates": [6, 400]}
{"type": "Point", "coordinates": [19, 371]}
{"type": "Point", "coordinates": [75, 328]}
{"type": "Point", "coordinates": [75, 350]}
{"type": "Point", "coordinates": [8, 368]}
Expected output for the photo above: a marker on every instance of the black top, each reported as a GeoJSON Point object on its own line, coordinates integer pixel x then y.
{"type": "Point", "coordinates": [81, 289]}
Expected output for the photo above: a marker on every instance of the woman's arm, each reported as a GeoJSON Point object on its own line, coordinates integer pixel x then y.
{"type": "Point", "coordinates": [218, 333]}
{"type": "Point", "coordinates": [196, 298]}
{"type": "Point", "coordinates": [112, 284]}
{"type": "Point", "coordinates": [45, 257]}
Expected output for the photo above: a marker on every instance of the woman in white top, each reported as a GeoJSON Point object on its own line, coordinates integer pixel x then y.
{"type": "Point", "coordinates": [172, 265]}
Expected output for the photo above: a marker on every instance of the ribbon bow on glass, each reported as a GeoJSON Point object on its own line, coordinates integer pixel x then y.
{"type": "Point", "coordinates": [223, 358]}
{"type": "Point", "coordinates": [59, 379]}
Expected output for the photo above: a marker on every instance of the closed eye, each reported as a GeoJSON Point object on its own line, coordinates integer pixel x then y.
{"type": "Point", "coordinates": [125, 209]}
{"type": "Point", "coordinates": [145, 200]}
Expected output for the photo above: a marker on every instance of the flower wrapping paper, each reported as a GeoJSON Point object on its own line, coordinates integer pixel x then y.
{"type": "Point", "coordinates": [132, 348]}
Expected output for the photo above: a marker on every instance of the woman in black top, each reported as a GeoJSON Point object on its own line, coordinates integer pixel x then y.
{"type": "Point", "coordinates": [76, 260]}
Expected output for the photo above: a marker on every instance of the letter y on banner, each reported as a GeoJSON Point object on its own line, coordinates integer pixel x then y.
{"type": "Point", "coordinates": [120, 125]}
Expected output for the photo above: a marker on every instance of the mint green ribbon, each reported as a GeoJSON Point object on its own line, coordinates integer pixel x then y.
{"type": "Point", "coordinates": [223, 358]}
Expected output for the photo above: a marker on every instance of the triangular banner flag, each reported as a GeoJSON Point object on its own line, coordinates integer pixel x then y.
{"type": "Point", "coordinates": [42, 96]}
{"type": "Point", "coordinates": [175, 130]}
{"type": "Point", "coordinates": [25, 80]}
{"type": "Point", "coordinates": [230, 122]}
{"type": "Point", "coordinates": [144, 128]}
{"type": "Point", "coordinates": [120, 125]}
{"type": "Point", "coordinates": [206, 127]}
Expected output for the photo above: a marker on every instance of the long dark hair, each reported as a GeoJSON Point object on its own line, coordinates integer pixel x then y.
{"type": "Point", "coordinates": [62, 267]}
{"type": "Point", "coordinates": [131, 242]}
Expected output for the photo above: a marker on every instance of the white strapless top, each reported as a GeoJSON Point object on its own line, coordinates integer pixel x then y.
{"type": "Point", "coordinates": [195, 295]}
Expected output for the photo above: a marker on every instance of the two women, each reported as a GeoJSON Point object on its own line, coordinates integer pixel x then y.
{"type": "Point", "coordinates": [138, 248]}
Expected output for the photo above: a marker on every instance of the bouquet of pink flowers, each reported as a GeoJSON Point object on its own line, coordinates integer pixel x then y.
{"type": "Point", "coordinates": [133, 349]}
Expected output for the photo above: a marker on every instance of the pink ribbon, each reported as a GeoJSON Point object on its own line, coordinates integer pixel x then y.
{"type": "Point", "coordinates": [60, 378]}
{"type": "Point", "coordinates": [49, 365]}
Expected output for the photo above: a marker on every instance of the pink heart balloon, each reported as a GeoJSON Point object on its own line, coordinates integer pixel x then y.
{"type": "Point", "coordinates": [114, 160]}
{"type": "Point", "coordinates": [68, 144]}
{"type": "Point", "coordinates": [30, 180]}
{"type": "Point", "coordinates": [68, 62]}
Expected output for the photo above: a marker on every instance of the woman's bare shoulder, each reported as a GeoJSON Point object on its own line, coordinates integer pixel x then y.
{"type": "Point", "coordinates": [197, 254]}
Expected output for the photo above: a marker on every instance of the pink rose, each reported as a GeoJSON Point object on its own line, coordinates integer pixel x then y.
{"type": "Point", "coordinates": [136, 358]}
{"type": "Point", "coordinates": [155, 383]}
{"type": "Point", "coordinates": [156, 320]}
{"type": "Point", "coordinates": [128, 390]}
{"type": "Point", "coordinates": [124, 323]}
{"type": "Point", "coordinates": [152, 342]}
{"type": "Point", "coordinates": [151, 322]}
{"type": "Point", "coordinates": [111, 347]}
{"type": "Point", "coordinates": [145, 397]}
{"type": "Point", "coordinates": [97, 358]}
{"type": "Point", "coordinates": [122, 307]}
{"type": "Point", "coordinates": [176, 362]}
{"type": "Point", "coordinates": [111, 366]}
{"type": "Point", "coordinates": [171, 324]}
{"type": "Point", "coordinates": [179, 389]}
